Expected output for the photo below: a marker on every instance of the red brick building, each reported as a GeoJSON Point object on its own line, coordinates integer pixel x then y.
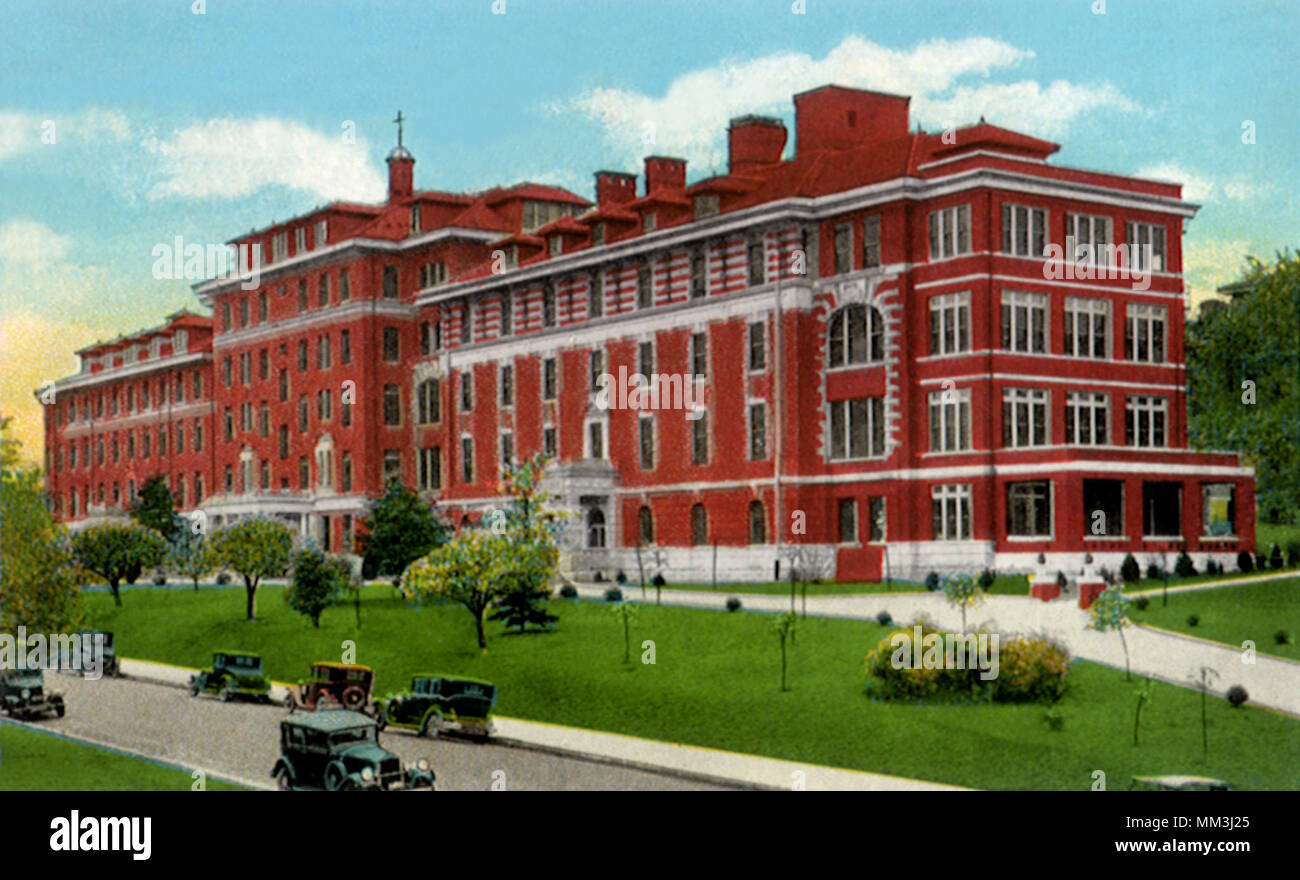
{"type": "Point", "coordinates": [915, 351]}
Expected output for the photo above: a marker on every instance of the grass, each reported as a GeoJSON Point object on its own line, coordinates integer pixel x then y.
{"type": "Point", "coordinates": [1004, 584]}
{"type": "Point", "coordinates": [31, 760]}
{"type": "Point", "coordinates": [1234, 614]}
{"type": "Point", "coordinates": [1175, 581]}
{"type": "Point", "coordinates": [714, 683]}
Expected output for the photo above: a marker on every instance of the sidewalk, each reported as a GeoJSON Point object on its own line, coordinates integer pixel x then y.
{"type": "Point", "coordinates": [687, 760]}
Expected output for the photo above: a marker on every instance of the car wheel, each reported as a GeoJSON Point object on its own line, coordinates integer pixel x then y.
{"type": "Point", "coordinates": [59, 710]}
{"type": "Point", "coordinates": [431, 726]}
{"type": "Point", "coordinates": [282, 780]}
{"type": "Point", "coordinates": [354, 697]}
{"type": "Point", "coordinates": [227, 693]}
{"type": "Point", "coordinates": [289, 702]}
{"type": "Point", "coordinates": [334, 778]}
{"type": "Point", "coordinates": [381, 720]}
{"type": "Point", "coordinates": [194, 688]}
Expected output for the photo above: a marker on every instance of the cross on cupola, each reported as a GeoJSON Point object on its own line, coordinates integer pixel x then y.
{"type": "Point", "coordinates": [398, 120]}
{"type": "Point", "coordinates": [400, 165]}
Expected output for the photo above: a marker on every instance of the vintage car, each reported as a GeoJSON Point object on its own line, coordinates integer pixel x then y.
{"type": "Point", "coordinates": [233, 674]}
{"type": "Point", "coordinates": [87, 638]}
{"type": "Point", "coordinates": [333, 684]}
{"type": "Point", "coordinates": [23, 694]}
{"type": "Point", "coordinates": [338, 750]}
{"type": "Point", "coordinates": [438, 703]}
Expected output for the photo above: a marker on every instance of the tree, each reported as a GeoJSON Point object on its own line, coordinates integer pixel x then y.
{"type": "Point", "coordinates": [156, 509]}
{"type": "Point", "coordinates": [964, 591]}
{"type": "Point", "coordinates": [317, 581]}
{"type": "Point", "coordinates": [119, 551]}
{"type": "Point", "coordinates": [469, 569]}
{"type": "Point", "coordinates": [401, 528]}
{"type": "Point", "coordinates": [41, 579]}
{"type": "Point", "coordinates": [522, 607]}
{"type": "Point", "coordinates": [1143, 695]}
{"type": "Point", "coordinates": [194, 558]}
{"type": "Point", "coordinates": [626, 613]}
{"type": "Point", "coordinates": [1110, 611]}
{"type": "Point", "coordinates": [785, 624]}
{"type": "Point", "coordinates": [1243, 378]}
{"type": "Point", "coordinates": [254, 549]}
{"type": "Point", "coordinates": [533, 526]}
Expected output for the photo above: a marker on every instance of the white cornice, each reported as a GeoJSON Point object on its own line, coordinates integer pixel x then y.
{"type": "Point", "coordinates": [130, 371]}
{"type": "Point", "coordinates": [329, 315]}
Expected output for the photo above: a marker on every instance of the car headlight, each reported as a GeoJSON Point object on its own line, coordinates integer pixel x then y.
{"type": "Point", "coordinates": [27, 692]}
{"type": "Point", "coordinates": [422, 765]}
{"type": "Point", "coordinates": [367, 774]}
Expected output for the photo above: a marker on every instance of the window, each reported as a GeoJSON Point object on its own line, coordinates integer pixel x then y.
{"type": "Point", "coordinates": [950, 512]}
{"type": "Point", "coordinates": [856, 335]}
{"type": "Point", "coordinates": [645, 525]}
{"type": "Point", "coordinates": [757, 523]}
{"type": "Point", "coordinates": [300, 239]}
{"type": "Point", "coordinates": [280, 246]}
{"type": "Point", "coordinates": [596, 369]}
{"type": "Point", "coordinates": [323, 353]}
{"type": "Point", "coordinates": [390, 282]}
{"type": "Point", "coordinates": [871, 241]}
{"type": "Point", "coordinates": [878, 520]}
{"type": "Point", "coordinates": [345, 288]}
{"type": "Point", "coordinates": [1146, 242]}
{"type": "Point", "coordinates": [284, 385]}
{"type": "Point", "coordinates": [646, 442]}
{"type": "Point", "coordinates": [345, 411]}
{"type": "Point", "coordinates": [303, 412]}
{"type": "Point", "coordinates": [699, 525]}
{"type": "Point", "coordinates": [507, 448]}
{"type": "Point", "coordinates": [1103, 508]}
{"type": "Point", "coordinates": [466, 391]}
{"type": "Point", "coordinates": [757, 431]}
{"type": "Point", "coordinates": [392, 466]}
{"type": "Point", "coordinates": [263, 364]}
{"type": "Point", "coordinates": [705, 206]}
{"type": "Point", "coordinates": [645, 292]}
{"type": "Point", "coordinates": [1162, 509]}
{"type": "Point", "coordinates": [1144, 337]}
{"type": "Point", "coordinates": [595, 300]}
{"type": "Point", "coordinates": [842, 244]}
{"type": "Point", "coordinates": [1218, 512]}
{"type": "Point", "coordinates": [507, 314]}
{"type": "Point", "coordinates": [645, 358]}
{"type": "Point", "coordinates": [345, 346]}
{"type": "Point", "coordinates": [857, 428]}
{"type": "Point", "coordinates": [700, 439]}
{"type": "Point", "coordinates": [198, 438]}
{"type": "Point", "coordinates": [598, 234]}
{"type": "Point", "coordinates": [429, 467]}
{"type": "Point", "coordinates": [246, 416]}
{"type": "Point", "coordinates": [392, 405]}
{"type": "Point", "coordinates": [548, 306]}
{"type": "Point", "coordinates": [595, 440]}
{"type": "Point", "coordinates": [848, 521]}
{"type": "Point", "coordinates": [345, 473]}
{"type": "Point", "coordinates": [699, 275]}
{"type": "Point", "coordinates": [227, 375]}
{"type": "Point", "coordinates": [758, 346]}
{"type": "Point", "coordinates": [284, 441]}
{"type": "Point", "coordinates": [302, 355]}
{"type": "Point", "coordinates": [302, 294]}
{"type": "Point", "coordinates": [1024, 322]}
{"type": "Point", "coordinates": [323, 291]}
{"type": "Point", "coordinates": [180, 438]}
{"type": "Point", "coordinates": [304, 473]}
{"type": "Point", "coordinates": [392, 345]}
{"type": "Point", "coordinates": [950, 232]}
{"type": "Point", "coordinates": [1087, 327]}
{"type": "Point", "coordinates": [1086, 419]}
{"type": "Point", "coordinates": [595, 528]}
{"type": "Point", "coordinates": [1024, 231]}
{"type": "Point", "coordinates": [225, 315]}
{"type": "Point", "coordinates": [1024, 417]}
{"type": "Point", "coordinates": [415, 218]}
{"type": "Point", "coordinates": [321, 235]}
{"type": "Point", "coordinates": [950, 323]}
{"type": "Point", "coordinates": [1087, 238]}
{"type": "Point", "coordinates": [699, 354]}
{"type": "Point", "coordinates": [550, 444]}
{"type": "Point", "coordinates": [507, 385]}
{"type": "Point", "coordinates": [243, 312]}
{"type": "Point", "coordinates": [548, 379]}
{"type": "Point", "coordinates": [428, 399]}
{"type": "Point", "coordinates": [467, 459]}
{"type": "Point", "coordinates": [324, 404]}
{"type": "Point", "coordinates": [757, 267]}
{"type": "Point", "coordinates": [649, 222]}
{"type": "Point", "coordinates": [950, 420]}
{"type": "Point", "coordinates": [1029, 509]}
{"type": "Point", "coordinates": [1145, 418]}
{"type": "Point", "coordinates": [556, 245]}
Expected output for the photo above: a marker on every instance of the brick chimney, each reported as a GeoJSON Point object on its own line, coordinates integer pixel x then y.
{"type": "Point", "coordinates": [401, 173]}
{"type": "Point", "coordinates": [754, 141]}
{"type": "Point", "coordinates": [838, 118]}
{"type": "Point", "coordinates": [664, 174]}
{"type": "Point", "coordinates": [614, 188]}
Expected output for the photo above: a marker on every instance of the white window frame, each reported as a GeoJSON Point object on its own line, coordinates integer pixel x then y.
{"type": "Point", "coordinates": [958, 496]}
{"type": "Point", "coordinates": [952, 311]}
{"type": "Point", "coordinates": [1143, 236]}
{"type": "Point", "coordinates": [873, 410]}
{"type": "Point", "coordinates": [1140, 410]}
{"type": "Point", "coordinates": [950, 232]}
{"type": "Point", "coordinates": [1029, 223]}
{"type": "Point", "coordinates": [1143, 317]}
{"type": "Point", "coordinates": [1090, 308]}
{"type": "Point", "coordinates": [950, 412]}
{"type": "Point", "coordinates": [1088, 236]}
{"type": "Point", "coordinates": [1081, 409]}
{"type": "Point", "coordinates": [1013, 301]}
{"type": "Point", "coordinates": [1032, 399]}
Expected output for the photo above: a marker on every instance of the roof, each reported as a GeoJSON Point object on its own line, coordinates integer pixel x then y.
{"type": "Point", "coordinates": [330, 720]}
{"type": "Point", "coordinates": [329, 664]}
{"type": "Point", "coordinates": [238, 654]}
{"type": "Point", "coordinates": [454, 677]}
{"type": "Point", "coordinates": [529, 190]}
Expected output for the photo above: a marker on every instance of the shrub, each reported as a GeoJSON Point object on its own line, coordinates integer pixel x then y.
{"type": "Point", "coordinates": [1193, 620]}
{"type": "Point", "coordinates": [1154, 572]}
{"type": "Point", "coordinates": [598, 577]}
{"type": "Point", "coordinates": [932, 581]}
{"type": "Point", "coordinates": [1031, 669]}
{"type": "Point", "coordinates": [1293, 554]}
{"type": "Point", "coordinates": [1142, 603]}
{"type": "Point", "coordinates": [658, 581]}
{"type": "Point", "coordinates": [1184, 567]}
{"type": "Point", "coordinates": [733, 603]}
{"type": "Point", "coordinates": [884, 619]}
{"type": "Point", "coordinates": [1129, 571]}
{"type": "Point", "coordinates": [986, 579]}
{"type": "Point", "coordinates": [1275, 557]}
{"type": "Point", "coordinates": [1212, 567]}
{"type": "Point", "coordinates": [568, 591]}
{"type": "Point", "coordinates": [1245, 562]}
{"type": "Point", "coordinates": [160, 579]}
{"type": "Point", "coordinates": [613, 594]}
{"type": "Point", "coordinates": [1053, 718]}
{"type": "Point", "coordinates": [1237, 695]}
{"type": "Point", "coordinates": [1261, 561]}
{"type": "Point", "coordinates": [223, 578]}
{"type": "Point", "coordinates": [620, 578]}
{"type": "Point", "coordinates": [1282, 637]}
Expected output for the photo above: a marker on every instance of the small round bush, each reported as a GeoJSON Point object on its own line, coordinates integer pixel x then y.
{"type": "Point", "coordinates": [1053, 718]}
{"type": "Point", "coordinates": [223, 578]}
{"type": "Point", "coordinates": [1129, 570]}
{"type": "Point", "coordinates": [568, 591]}
{"type": "Point", "coordinates": [1184, 567]}
{"type": "Point", "coordinates": [932, 581]}
{"type": "Point", "coordinates": [733, 603]}
{"type": "Point", "coordinates": [1275, 557]}
{"type": "Point", "coordinates": [160, 580]}
{"type": "Point", "coordinates": [1237, 695]}
{"type": "Point", "coordinates": [613, 594]}
{"type": "Point", "coordinates": [620, 578]}
{"type": "Point", "coordinates": [1293, 554]}
{"type": "Point", "coordinates": [658, 581]}
{"type": "Point", "coordinates": [1245, 562]}
{"type": "Point", "coordinates": [1212, 567]}
{"type": "Point", "coordinates": [1154, 572]}
{"type": "Point", "coordinates": [884, 619]}
{"type": "Point", "coordinates": [1261, 561]}
{"type": "Point", "coordinates": [986, 579]}
{"type": "Point", "coordinates": [1282, 637]}
{"type": "Point", "coordinates": [1141, 603]}
{"type": "Point", "coordinates": [599, 577]}
{"type": "Point", "coordinates": [1193, 620]}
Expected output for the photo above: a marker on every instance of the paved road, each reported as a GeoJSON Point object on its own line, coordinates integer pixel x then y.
{"type": "Point", "coordinates": [240, 741]}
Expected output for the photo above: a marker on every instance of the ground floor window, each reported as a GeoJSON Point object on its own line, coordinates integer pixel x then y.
{"type": "Point", "coordinates": [757, 523]}
{"type": "Point", "coordinates": [699, 525]}
{"type": "Point", "coordinates": [646, 525]}
{"type": "Point", "coordinates": [1162, 509]}
{"type": "Point", "coordinates": [595, 529]}
{"type": "Point", "coordinates": [950, 512]}
{"type": "Point", "coordinates": [1029, 509]}
{"type": "Point", "coordinates": [848, 521]}
{"type": "Point", "coordinates": [1218, 512]}
{"type": "Point", "coordinates": [1103, 508]}
{"type": "Point", "coordinates": [878, 530]}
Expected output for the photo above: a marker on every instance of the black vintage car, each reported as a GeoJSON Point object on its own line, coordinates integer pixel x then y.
{"type": "Point", "coordinates": [438, 703]}
{"type": "Point", "coordinates": [233, 674]}
{"type": "Point", "coordinates": [338, 750]}
{"type": "Point", "coordinates": [23, 694]}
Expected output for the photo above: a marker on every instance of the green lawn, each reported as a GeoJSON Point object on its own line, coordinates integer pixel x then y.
{"type": "Point", "coordinates": [1159, 584]}
{"type": "Point", "coordinates": [1268, 534]}
{"type": "Point", "coordinates": [34, 761]}
{"type": "Point", "coordinates": [714, 684]}
{"type": "Point", "coordinates": [1004, 584]}
{"type": "Point", "coordinates": [1234, 614]}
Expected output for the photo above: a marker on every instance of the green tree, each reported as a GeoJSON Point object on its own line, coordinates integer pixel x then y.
{"type": "Point", "coordinates": [254, 549]}
{"type": "Point", "coordinates": [523, 607]}
{"type": "Point", "coordinates": [1243, 380]}
{"type": "Point", "coordinates": [530, 522]}
{"type": "Point", "coordinates": [41, 587]}
{"type": "Point", "coordinates": [119, 551]}
{"type": "Point", "coordinates": [194, 558]}
{"type": "Point", "coordinates": [156, 509]}
{"type": "Point", "coordinates": [1110, 611]}
{"type": "Point", "coordinates": [626, 614]}
{"type": "Point", "coordinates": [964, 591]}
{"type": "Point", "coordinates": [785, 625]}
{"type": "Point", "coordinates": [469, 570]}
{"type": "Point", "coordinates": [317, 581]}
{"type": "Point", "coordinates": [1143, 695]}
{"type": "Point", "coordinates": [401, 527]}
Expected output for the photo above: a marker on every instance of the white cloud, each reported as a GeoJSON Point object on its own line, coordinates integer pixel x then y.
{"type": "Point", "coordinates": [22, 132]}
{"type": "Point", "coordinates": [1201, 188]}
{"type": "Point", "coordinates": [31, 245]}
{"type": "Point", "coordinates": [232, 158]}
{"type": "Point", "coordinates": [691, 116]}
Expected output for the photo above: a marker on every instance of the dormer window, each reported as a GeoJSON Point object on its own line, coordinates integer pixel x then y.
{"type": "Point", "coordinates": [180, 342]}
{"type": "Point", "coordinates": [512, 256]}
{"type": "Point", "coordinates": [415, 218]}
{"type": "Point", "coordinates": [300, 239]}
{"type": "Point", "coordinates": [705, 206]}
{"type": "Point", "coordinates": [280, 246]}
{"type": "Point", "coordinates": [557, 245]}
{"type": "Point", "coordinates": [598, 234]}
{"type": "Point", "coordinates": [322, 233]}
{"type": "Point", "coordinates": [649, 222]}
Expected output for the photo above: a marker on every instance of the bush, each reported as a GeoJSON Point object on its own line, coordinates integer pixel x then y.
{"type": "Point", "coordinates": [986, 579]}
{"type": "Point", "coordinates": [613, 594]}
{"type": "Point", "coordinates": [932, 581]}
{"type": "Point", "coordinates": [1129, 571]}
{"type": "Point", "coordinates": [733, 603]}
{"type": "Point", "coordinates": [658, 581]}
{"type": "Point", "coordinates": [160, 580]}
{"type": "Point", "coordinates": [1053, 718]}
{"type": "Point", "coordinates": [1212, 567]}
{"type": "Point", "coordinates": [568, 591]}
{"type": "Point", "coordinates": [884, 619]}
{"type": "Point", "coordinates": [1293, 554]}
{"type": "Point", "coordinates": [1193, 620]}
{"type": "Point", "coordinates": [1237, 695]}
{"type": "Point", "coordinates": [1154, 572]}
{"type": "Point", "coordinates": [620, 578]}
{"type": "Point", "coordinates": [1245, 562]}
{"type": "Point", "coordinates": [1282, 637]}
{"type": "Point", "coordinates": [598, 577]}
{"type": "Point", "coordinates": [223, 578]}
{"type": "Point", "coordinates": [1141, 603]}
{"type": "Point", "coordinates": [1275, 558]}
{"type": "Point", "coordinates": [1261, 561]}
{"type": "Point", "coordinates": [1184, 567]}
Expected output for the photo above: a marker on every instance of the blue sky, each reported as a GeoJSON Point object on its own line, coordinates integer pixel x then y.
{"type": "Point", "coordinates": [168, 122]}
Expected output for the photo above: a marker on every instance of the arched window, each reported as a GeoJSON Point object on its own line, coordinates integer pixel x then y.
{"type": "Point", "coordinates": [595, 528]}
{"type": "Point", "coordinates": [757, 523]}
{"type": "Point", "coordinates": [646, 522]}
{"type": "Point", "coordinates": [465, 522]}
{"type": "Point", "coordinates": [699, 525]}
{"type": "Point", "coordinates": [855, 335]}
{"type": "Point", "coordinates": [428, 401]}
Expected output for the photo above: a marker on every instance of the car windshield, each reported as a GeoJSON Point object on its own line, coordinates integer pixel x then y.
{"type": "Point", "coordinates": [468, 689]}
{"type": "Point", "coordinates": [244, 664]}
{"type": "Point", "coordinates": [23, 678]}
{"type": "Point", "coordinates": [352, 735]}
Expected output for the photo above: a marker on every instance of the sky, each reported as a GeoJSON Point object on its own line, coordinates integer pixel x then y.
{"type": "Point", "coordinates": [124, 125]}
